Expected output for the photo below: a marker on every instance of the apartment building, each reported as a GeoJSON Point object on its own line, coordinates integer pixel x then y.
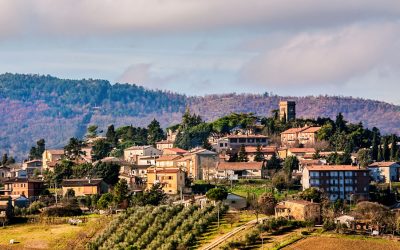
{"type": "Point", "coordinates": [344, 182]}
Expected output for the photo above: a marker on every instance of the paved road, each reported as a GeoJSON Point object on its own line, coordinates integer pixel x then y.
{"type": "Point", "coordinates": [224, 237]}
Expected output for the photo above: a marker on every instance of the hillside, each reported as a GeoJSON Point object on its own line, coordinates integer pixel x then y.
{"type": "Point", "coordinates": [34, 107]}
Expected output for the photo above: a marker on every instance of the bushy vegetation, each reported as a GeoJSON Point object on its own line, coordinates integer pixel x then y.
{"type": "Point", "coordinates": [160, 227]}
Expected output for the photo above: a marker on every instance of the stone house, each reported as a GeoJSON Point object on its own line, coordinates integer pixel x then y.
{"type": "Point", "coordinates": [301, 210]}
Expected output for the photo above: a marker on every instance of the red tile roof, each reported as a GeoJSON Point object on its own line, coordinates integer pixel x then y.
{"type": "Point", "coordinates": [163, 170]}
{"type": "Point", "coordinates": [168, 158]}
{"type": "Point", "coordinates": [253, 149]}
{"type": "Point", "coordinates": [175, 150]}
{"type": "Point", "coordinates": [302, 150]}
{"type": "Point", "coordinates": [293, 130]}
{"type": "Point", "coordinates": [239, 165]}
{"type": "Point", "coordinates": [382, 164]}
{"type": "Point", "coordinates": [335, 168]}
{"type": "Point", "coordinates": [311, 130]}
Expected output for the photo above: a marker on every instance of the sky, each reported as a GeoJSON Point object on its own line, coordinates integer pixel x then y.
{"type": "Point", "coordinates": [199, 47]}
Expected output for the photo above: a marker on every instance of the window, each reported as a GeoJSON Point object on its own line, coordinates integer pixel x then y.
{"type": "Point", "coordinates": [221, 145]}
{"type": "Point", "coordinates": [263, 140]}
{"type": "Point", "coordinates": [334, 173]}
{"type": "Point", "coordinates": [233, 140]}
{"type": "Point", "coordinates": [348, 173]}
{"type": "Point", "coordinates": [314, 174]}
{"type": "Point", "coordinates": [242, 140]}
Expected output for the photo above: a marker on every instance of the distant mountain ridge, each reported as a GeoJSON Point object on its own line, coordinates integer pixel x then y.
{"type": "Point", "coordinates": [35, 106]}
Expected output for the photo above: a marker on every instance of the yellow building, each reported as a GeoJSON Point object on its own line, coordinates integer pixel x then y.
{"type": "Point", "coordinates": [84, 187]}
{"type": "Point", "coordinates": [50, 156]}
{"type": "Point", "coordinates": [172, 179]}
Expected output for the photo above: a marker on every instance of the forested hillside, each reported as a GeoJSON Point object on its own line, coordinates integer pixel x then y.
{"type": "Point", "coordinates": [34, 107]}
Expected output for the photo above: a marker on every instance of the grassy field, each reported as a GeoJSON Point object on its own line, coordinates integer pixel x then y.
{"type": "Point", "coordinates": [338, 242]}
{"type": "Point", "coordinates": [258, 187]}
{"type": "Point", "coordinates": [214, 232]}
{"type": "Point", "coordinates": [39, 236]}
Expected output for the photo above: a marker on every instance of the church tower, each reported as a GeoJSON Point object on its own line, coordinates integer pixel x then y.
{"type": "Point", "coordinates": [287, 110]}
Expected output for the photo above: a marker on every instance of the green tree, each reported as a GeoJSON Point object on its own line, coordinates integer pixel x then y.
{"type": "Point", "coordinates": [274, 162]}
{"type": "Point", "coordinates": [109, 171]}
{"type": "Point", "coordinates": [120, 191]}
{"type": "Point", "coordinates": [242, 156]}
{"type": "Point", "coordinates": [105, 201]}
{"type": "Point", "coordinates": [326, 132]}
{"type": "Point", "coordinates": [217, 194]}
{"type": "Point", "coordinates": [259, 156]}
{"type": "Point", "coordinates": [62, 170]}
{"type": "Point", "coordinates": [280, 180]}
{"type": "Point", "coordinates": [81, 170]}
{"type": "Point", "coordinates": [385, 150]}
{"type": "Point", "coordinates": [4, 159]}
{"type": "Point", "coordinates": [111, 136]}
{"type": "Point", "coordinates": [91, 131]}
{"type": "Point", "coordinates": [364, 157]}
{"type": "Point", "coordinates": [291, 163]}
{"type": "Point", "coordinates": [380, 154]}
{"type": "Point", "coordinates": [154, 196]}
{"type": "Point", "coordinates": [311, 194]}
{"type": "Point", "coordinates": [37, 152]}
{"type": "Point", "coordinates": [73, 150]}
{"type": "Point", "coordinates": [340, 123]}
{"type": "Point", "coordinates": [154, 132]}
{"type": "Point", "coordinates": [101, 149]}
{"type": "Point", "coordinates": [268, 203]}
{"type": "Point", "coordinates": [394, 150]}
{"type": "Point", "coordinates": [374, 147]}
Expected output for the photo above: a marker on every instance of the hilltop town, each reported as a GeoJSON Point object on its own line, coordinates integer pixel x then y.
{"type": "Point", "coordinates": [265, 175]}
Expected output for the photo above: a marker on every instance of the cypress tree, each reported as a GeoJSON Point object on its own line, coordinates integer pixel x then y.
{"type": "Point", "coordinates": [242, 156]}
{"type": "Point", "coordinates": [374, 148]}
{"type": "Point", "coordinates": [259, 156]}
{"type": "Point", "coordinates": [394, 149]}
{"type": "Point", "coordinates": [385, 150]}
{"type": "Point", "coordinates": [380, 154]}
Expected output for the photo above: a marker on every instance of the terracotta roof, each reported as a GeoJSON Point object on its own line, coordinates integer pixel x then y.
{"type": "Point", "coordinates": [168, 158]}
{"type": "Point", "coordinates": [335, 168]}
{"type": "Point", "coordinates": [81, 182]}
{"type": "Point", "coordinates": [138, 147]}
{"type": "Point", "coordinates": [163, 170]}
{"type": "Point", "coordinates": [293, 130]}
{"type": "Point", "coordinates": [253, 149]}
{"type": "Point", "coordinates": [175, 150]}
{"type": "Point", "coordinates": [247, 136]}
{"type": "Point", "coordinates": [56, 151]}
{"type": "Point", "coordinates": [302, 150]}
{"type": "Point", "coordinates": [311, 130]}
{"type": "Point", "coordinates": [186, 158]}
{"type": "Point", "coordinates": [239, 165]}
{"type": "Point", "coordinates": [382, 164]}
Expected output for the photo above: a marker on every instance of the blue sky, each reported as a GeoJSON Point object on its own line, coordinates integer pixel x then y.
{"type": "Point", "coordinates": [303, 47]}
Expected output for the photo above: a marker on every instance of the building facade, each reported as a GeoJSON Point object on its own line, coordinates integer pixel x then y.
{"type": "Point", "coordinates": [287, 110]}
{"type": "Point", "coordinates": [301, 210]}
{"type": "Point", "coordinates": [343, 182]}
{"type": "Point", "coordinates": [385, 171]}
{"type": "Point", "coordinates": [24, 186]}
{"type": "Point", "coordinates": [171, 179]}
{"type": "Point", "coordinates": [84, 187]}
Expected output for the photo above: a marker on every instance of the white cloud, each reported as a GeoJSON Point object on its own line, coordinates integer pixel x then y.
{"type": "Point", "coordinates": [107, 17]}
{"type": "Point", "coordinates": [322, 58]}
